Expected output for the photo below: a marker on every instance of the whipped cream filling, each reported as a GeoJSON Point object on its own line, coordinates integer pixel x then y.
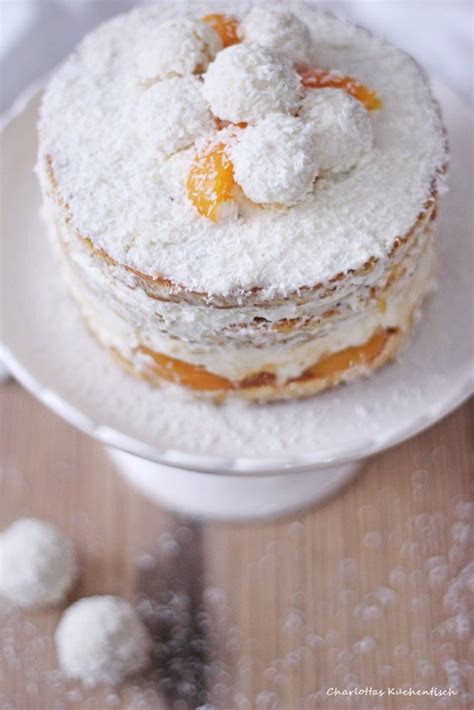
{"type": "Point", "coordinates": [124, 318]}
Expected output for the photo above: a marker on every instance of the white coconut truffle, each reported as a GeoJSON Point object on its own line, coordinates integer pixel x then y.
{"type": "Point", "coordinates": [172, 114]}
{"type": "Point", "coordinates": [278, 29]}
{"type": "Point", "coordinates": [247, 81]}
{"type": "Point", "coordinates": [341, 127]}
{"type": "Point", "coordinates": [38, 564]}
{"type": "Point", "coordinates": [102, 640]}
{"type": "Point", "coordinates": [180, 47]}
{"type": "Point", "coordinates": [274, 161]}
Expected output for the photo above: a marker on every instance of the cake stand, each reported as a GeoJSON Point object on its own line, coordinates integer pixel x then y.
{"type": "Point", "coordinates": [235, 460]}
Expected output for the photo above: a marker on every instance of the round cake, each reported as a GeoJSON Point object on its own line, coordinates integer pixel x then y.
{"type": "Point", "coordinates": [243, 204]}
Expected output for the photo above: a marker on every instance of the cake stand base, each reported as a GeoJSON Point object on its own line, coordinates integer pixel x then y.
{"type": "Point", "coordinates": [231, 497]}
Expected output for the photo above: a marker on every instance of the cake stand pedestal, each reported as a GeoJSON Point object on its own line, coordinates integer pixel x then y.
{"type": "Point", "coordinates": [231, 497]}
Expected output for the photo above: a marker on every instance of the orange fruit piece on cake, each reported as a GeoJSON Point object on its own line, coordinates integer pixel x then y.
{"type": "Point", "coordinates": [211, 181]}
{"type": "Point", "coordinates": [226, 27]}
{"type": "Point", "coordinates": [323, 79]}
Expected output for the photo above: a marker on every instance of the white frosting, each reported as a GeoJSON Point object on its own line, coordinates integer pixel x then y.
{"type": "Point", "coordinates": [38, 564]}
{"type": "Point", "coordinates": [172, 114]}
{"type": "Point", "coordinates": [136, 208]}
{"type": "Point", "coordinates": [102, 640]}
{"type": "Point", "coordinates": [180, 46]}
{"type": "Point", "coordinates": [341, 128]}
{"type": "Point", "coordinates": [278, 29]}
{"type": "Point", "coordinates": [275, 161]}
{"type": "Point", "coordinates": [245, 82]}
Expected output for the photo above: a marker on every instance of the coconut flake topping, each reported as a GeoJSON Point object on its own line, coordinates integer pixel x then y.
{"type": "Point", "coordinates": [137, 210]}
{"type": "Point", "coordinates": [274, 161]}
{"type": "Point", "coordinates": [247, 81]}
{"type": "Point", "coordinates": [177, 47]}
{"type": "Point", "coordinates": [341, 128]}
{"type": "Point", "coordinates": [278, 29]}
{"type": "Point", "coordinates": [172, 114]}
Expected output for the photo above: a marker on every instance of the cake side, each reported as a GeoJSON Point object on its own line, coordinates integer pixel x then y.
{"type": "Point", "coordinates": [226, 350]}
{"type": "Point", "coordinates": [278, 372]}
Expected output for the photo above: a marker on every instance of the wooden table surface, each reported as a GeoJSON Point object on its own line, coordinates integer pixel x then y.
{"type": "Point", "coordinates": [371, 590]}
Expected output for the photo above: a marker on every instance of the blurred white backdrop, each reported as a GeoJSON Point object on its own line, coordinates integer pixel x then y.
{"type": "Point", "coordinates": [36, 34]}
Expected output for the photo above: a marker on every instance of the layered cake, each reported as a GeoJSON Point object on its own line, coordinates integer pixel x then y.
{"type": "Point", "coordinates": [243, 204]}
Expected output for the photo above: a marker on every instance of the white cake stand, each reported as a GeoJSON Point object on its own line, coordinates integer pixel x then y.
{"type": "Point", "coordinates": [234, 461]}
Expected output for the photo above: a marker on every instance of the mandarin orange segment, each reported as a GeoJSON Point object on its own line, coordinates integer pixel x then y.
{"type": "Point", "coordinates": [226, 27]}
{"type": "Point", "coordinates": [198, 378]}
{"type": "Point", "coordinates": [211, 181]}
{"type": "Point", "coordinates": [193, 376]}
{"type": "Point", "coordinates": [345, 359]}
{"type": "Point", "coordinates": [323, 79]}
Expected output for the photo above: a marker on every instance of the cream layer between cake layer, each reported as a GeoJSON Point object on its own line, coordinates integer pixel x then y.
{"type": "Point", "coordinates": [227, 341]}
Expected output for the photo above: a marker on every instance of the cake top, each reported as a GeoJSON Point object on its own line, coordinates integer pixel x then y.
{"type": "Point", "coordinates": [271, 151]}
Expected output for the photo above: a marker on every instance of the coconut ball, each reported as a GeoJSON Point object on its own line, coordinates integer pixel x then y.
{"type": "Point", "coordinates": [278, 29]}
{"type": "Point", "coordinates": [341, 127]}
{"type": "Point", "coordinates": [38, 564]}
{"type": "Point", "coordinates": [172, 114]}
{"type": "Point", "coordinates": [177, 47]}
{"type": "Point", "coordinates": [247, 81]}
{"type": "Point", "coordinates": [275, 161]}
{"type": "Point", "coordinates": [102, 640]}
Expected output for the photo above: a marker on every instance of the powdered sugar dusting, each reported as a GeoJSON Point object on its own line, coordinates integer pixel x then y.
{"type": "Point", "coordinates": [136, 209]}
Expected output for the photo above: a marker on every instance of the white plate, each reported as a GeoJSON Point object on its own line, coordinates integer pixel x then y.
{"type": "Point", "coordinates": [47, 348]}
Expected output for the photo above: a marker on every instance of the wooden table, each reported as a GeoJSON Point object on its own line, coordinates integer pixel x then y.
{"type": "Point", "coordinates": [370, 590]}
